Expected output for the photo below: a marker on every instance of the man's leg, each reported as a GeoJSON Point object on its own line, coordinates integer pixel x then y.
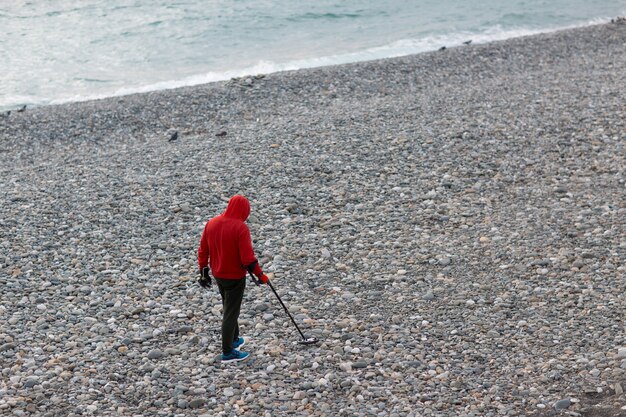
{"type": "Point", "coordinates": [237, 325]}
{"type": "Point", "coordinates": [220, 286]}
{"type": "Point", "coordinates": [233, 296]}
{"type": "Point", "coordinates": [236, 299]}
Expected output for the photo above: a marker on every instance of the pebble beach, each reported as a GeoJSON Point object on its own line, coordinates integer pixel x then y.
{"type": "Point", "coordinates": [451, 225]}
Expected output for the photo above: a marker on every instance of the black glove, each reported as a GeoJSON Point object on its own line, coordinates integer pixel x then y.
{"type": "Point", "coordinates": [205, 278]}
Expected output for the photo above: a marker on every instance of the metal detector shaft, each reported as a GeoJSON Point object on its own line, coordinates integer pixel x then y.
{"type": "Point", "coordinates": [285, 307]}
{"type": "Point", "coordinates": [281, 303]}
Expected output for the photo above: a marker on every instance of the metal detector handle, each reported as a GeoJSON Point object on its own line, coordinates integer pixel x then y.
{"type": "Point", "coordinates": [254, 279]}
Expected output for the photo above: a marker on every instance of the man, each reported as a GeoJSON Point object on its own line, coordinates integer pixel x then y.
{"type": "Point", "coordinates": [226, 246]}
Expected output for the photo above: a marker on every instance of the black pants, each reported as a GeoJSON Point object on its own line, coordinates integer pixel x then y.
{"type": "Point", "coordinates": [232, 295]}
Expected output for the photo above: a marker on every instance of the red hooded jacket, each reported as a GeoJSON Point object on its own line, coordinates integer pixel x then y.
{"type": "Point", "coordinates": [226, 244]}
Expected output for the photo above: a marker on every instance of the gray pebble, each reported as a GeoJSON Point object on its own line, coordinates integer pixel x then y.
{"type": "Point", "coordinates": [562, 404]}
{"type": "Point", "coordinates": [31, 382]}
{"type": "Point", "coordinates": [196, 403]}
{"type": "Point", "coordinates": [155, 354]}
{"type": "Point", "coordinates": [428, 296]}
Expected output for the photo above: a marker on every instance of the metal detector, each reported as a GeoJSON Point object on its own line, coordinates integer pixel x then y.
{"type": "Point", "coordinates": [305, 340]}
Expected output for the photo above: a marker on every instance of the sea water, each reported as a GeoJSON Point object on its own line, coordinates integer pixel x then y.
{"type": "Point", "coordinates": [55, 51]}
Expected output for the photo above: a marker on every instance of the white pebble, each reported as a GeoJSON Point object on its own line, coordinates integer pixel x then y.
{"type": "Point", "coordinates": [345, 366]}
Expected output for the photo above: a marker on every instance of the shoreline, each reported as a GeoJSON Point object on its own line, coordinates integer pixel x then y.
{"type": "Point", "coordinates": [306, 64]}
{"type": "Point", "coordinates": [109, 101]}
{"type": "Point", "coordinates": [456, 57]}
{"type": "Point", "coordinates": [450, 225]}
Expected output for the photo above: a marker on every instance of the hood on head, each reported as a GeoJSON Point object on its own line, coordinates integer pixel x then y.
{"type": "Point", "coordinates": [238, 208]}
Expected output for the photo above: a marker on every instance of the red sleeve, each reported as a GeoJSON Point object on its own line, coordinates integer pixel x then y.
{"type": "Point", "coordinates": [203, 250]}
{"type": "Point", "coordinates": [246, 252]}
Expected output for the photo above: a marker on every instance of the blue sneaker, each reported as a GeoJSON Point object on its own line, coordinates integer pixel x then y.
{"type": "Point", "coordinates": [235, 356]}
{"type": "Point", "coordinates": [239, 343]}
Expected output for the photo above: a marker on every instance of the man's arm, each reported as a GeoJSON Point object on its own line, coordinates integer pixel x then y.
{"type": "Point", "coordinates": [246, 252]}
{"type": "Point", "coordinates": [203, 250]}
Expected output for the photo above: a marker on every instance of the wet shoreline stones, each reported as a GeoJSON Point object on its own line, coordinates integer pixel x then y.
{"type": "Point", "coordinates": [450, 225]}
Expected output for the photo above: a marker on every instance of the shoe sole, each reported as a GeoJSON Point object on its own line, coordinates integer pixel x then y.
{"type": "Point", "coordinates": [235, 360]}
